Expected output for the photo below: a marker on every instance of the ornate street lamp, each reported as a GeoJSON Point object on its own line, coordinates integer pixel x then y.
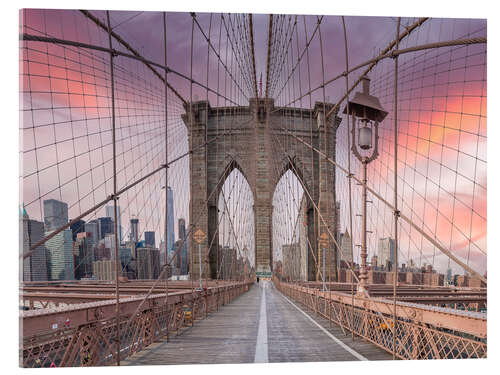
{"type": "Point", "coordinates": [366, 113]}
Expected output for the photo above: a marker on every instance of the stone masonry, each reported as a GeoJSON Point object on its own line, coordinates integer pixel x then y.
{"type": "Point", "coordinates": [253, 140]}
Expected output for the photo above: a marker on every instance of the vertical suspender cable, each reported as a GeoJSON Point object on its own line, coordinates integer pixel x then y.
{"type": "Point", "coordinates": [396, 212]}
{"type": "Point", "coordinates": [191, 256]}
{"type": "Point", "coordinates": [206, 259]}
{"type": "Point", "coordinates": [349, 172]}
{"type": "Point", "coordinates": [117, 257]}
{"type": "Point", "coordinates": [166, 169]}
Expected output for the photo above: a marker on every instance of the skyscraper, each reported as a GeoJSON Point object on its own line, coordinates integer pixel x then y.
{"type": "Point", "coordinates": [449, 276]}
{"type": "Point", "coordinates": [77, 227]}
{"type": "Point", "coordinates": [345, 247]}
{"type": "Point", "coordinates": [183, 252]}
{"type": "Point", "coordinates": [110, 212]}
{"type": "Point", "coordinates": [148, 263]}
{"type": "Point", "coordinates": [170, 221]}
{"type": "Point", "coordinates": [35, 266]}
{"type": "Point", "coordinates": [182, 229]}
{"type": "Point", "coordinates": [85, 255]}
{"type": "Point", "coordinates": [134, 229]}
{"type": "Point", "coordinates": [60, 252]}
{"type": "Point", "coordinates": [149, 238]}
{"type": "Point", "coordinates": [92, 227]}
{"type": "Point", "coordinates": [55, 214]}
{"type": "Point", "coordinates": [386, 251]}
{"type": "Point", "coordinates": [106, 226]}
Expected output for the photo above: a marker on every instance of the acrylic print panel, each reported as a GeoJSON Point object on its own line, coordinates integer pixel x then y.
{"type": "Point", "coordinates": [236, 188]}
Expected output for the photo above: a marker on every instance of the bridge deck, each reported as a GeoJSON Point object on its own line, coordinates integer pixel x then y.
{"type": "Point", "coordinates": [260, 326]}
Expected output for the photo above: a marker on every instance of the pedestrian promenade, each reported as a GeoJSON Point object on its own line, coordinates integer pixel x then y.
{"type": "Point", "coordinates": [261, 325]}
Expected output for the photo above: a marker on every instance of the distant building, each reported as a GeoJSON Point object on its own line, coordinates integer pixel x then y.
{"type": "Point", "coordinates": [110, 212]}
{"type": "Point", "coordinates": [34, 267]}
{"type": "Point", "coordinates": [101, 252]}
{"type": "Point", "coordinates": [449, 276]}
{"type": "Point", "coordinates": [106, 226]}
{"type": "Point", "coordinates": [92, 227]}
{"type": "Point", "coordinates": [125, 257]}
{"type": "Point", "coordinates": [109, 243]}
{"type": "Point", "coordinates": [184, 257]}
{"type": "Point", "coordinates": [77, 227]}
{"type": "Point", "coordinates": [134, 229]}
{"type": "Point", "coordinates": [85, 256]}
{"type": "Point", "coordinates": [60, 255]}
{"type": "Point", "coordinates": [386, 247]}
{"type": "Point", "coordinates": [345, 248]}
{"type": "Point", "coordinates": [170, 221]}
{"type": "Point", "coordinates": [411, 265]}
{"type": "Point", "coordinates": [149, 238]}
{"type": "Point", "coordinates": [104, 270]}
{"type": "Point", "coordinates": [55, 214]}
{"type": "Point", "coordinates": [148, 263]}
{"type": "Point", "coordinates": [176, 260]}
{"type": "Point", "coordinates": [303, 240]}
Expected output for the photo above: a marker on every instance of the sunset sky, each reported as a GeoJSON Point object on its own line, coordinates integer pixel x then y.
{"type": "Point", "coordinates": [65, 119]}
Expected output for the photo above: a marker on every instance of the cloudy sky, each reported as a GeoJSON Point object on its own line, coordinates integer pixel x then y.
{"type": "Point", "coordinates": [66, 112]}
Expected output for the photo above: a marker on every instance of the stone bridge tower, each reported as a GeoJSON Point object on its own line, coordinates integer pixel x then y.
{"type": "Point", "coordinates": [253, 140]}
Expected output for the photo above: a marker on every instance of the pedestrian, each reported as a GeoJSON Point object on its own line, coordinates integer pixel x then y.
{"type": "Point", "coordinates": [257, 280]}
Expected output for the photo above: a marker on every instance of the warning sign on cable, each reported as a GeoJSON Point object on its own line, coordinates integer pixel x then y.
{"type": "Point", "coordinates": [323, 240]}
{"type": "Point", "coordinates": [199, 236]}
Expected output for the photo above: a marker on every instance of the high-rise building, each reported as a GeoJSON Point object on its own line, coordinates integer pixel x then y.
{"type": "Point", "coordinates": [92, 227]}
{"type": "Point", "coordinates": [109, 243]}
{"type": "Point", "coordinates": [34, 267]}
{"type": "Point", "coordinates": [55, 214]}
{"type": "Point", "coordinates": [125, 256]}
{"type": "Point", "coordinates": [183, 252]}
{"type": "Point", "coordinates": [110, 212]}
{"type": "Point", "coordinates": [345, 247]}
{"type": "Point", "coordinates": [170, 221]}
{"type": "Point", "coordinates": [60, 255]}
{"type": "Point", "coordinates": [101, 252]}
{"type": "Point", "coordinates": [449, 276]}
{"type": "Point", "coordinates": [182, 229]}
{"type": "Point", "coordinates": [106, 226]}
{"type": "Point", "coordinates": [85, 258]}
{"type": "Point", "coordinates": [134, 229]}
{"type": "Point", "coordinates": [148, 263]}
{"type": "Point", "coordinates": [386, 247]}
{"type": "Point", "coordinates": [149, 238]}
{"type": "Point", "coordinates": [303, 240]}
{"type": "Point", "coordinates": [337, 220]}
{"type": "Point", "coordinates": [77, 227]}
{"type": "Point", "coordinates": [24, 246]}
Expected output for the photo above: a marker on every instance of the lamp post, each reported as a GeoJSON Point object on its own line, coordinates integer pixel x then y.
{"type": "Point", "coordinates": [199, 236]}
{"type": "Point", "coordinates": [366, 113]}
{"type": "Point", "coordinates": [323, 243]}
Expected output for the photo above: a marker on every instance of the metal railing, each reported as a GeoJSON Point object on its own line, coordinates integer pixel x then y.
{"type": "Point", "coordinates": [420, 334]}
{"type": "Point", "coordinates": [93, 343]}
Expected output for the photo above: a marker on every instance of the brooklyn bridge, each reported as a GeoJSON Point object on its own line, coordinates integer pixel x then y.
{"type": "Point", "coordinates": [239, 188]}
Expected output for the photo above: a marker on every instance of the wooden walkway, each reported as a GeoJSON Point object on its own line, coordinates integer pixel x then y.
{"type": "Point", "coordinates": [261, 325]}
